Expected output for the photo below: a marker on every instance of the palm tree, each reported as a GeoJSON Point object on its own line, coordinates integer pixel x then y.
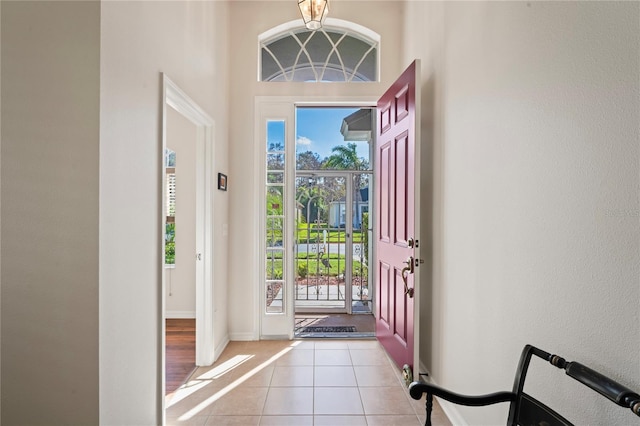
{"type": "Point", "coordinates": [345, 157]}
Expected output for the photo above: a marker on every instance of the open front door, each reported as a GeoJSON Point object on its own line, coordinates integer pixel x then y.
{"type": "Point", "coordinates": [397, 181]}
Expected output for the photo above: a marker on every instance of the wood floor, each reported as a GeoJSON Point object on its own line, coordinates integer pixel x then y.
{"type": "Point", "coordinates": [180, 352]}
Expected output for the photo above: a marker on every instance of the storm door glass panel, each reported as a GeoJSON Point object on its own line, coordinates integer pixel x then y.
{"type": "Point", "coordinates": [274, 218]}
{"type": "Point", "coordinates": [321, 245]}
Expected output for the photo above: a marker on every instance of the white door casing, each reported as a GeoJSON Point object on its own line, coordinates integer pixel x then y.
{"type": "Point", "coordinates": [175, 98]}
{"type": "Point", "coordinates": [282, 108]}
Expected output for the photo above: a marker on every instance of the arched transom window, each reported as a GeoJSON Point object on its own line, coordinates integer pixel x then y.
{"type": "Point", "coordinates": [338, 52]}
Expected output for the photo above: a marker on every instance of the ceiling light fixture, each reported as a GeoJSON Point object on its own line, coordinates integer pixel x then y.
{"type": "Point", "coordinates": [313, 12]}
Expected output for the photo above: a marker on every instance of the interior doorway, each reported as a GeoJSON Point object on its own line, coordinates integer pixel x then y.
{"type": "Point", "coordinates": [181, 228]}
{"type": "Point", "coordinates": [333, 289]}
{"type": "Point", "coordinates": [178, 107]}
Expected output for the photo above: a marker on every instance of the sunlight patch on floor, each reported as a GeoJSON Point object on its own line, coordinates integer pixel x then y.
{"type": "Point", "coordinates": [213, 398]}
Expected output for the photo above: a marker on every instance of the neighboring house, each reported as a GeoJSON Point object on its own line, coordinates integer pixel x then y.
{"type": "Point", "coordinates": [338, 211]}
{"type": "Point", "coordinates": [530, 148]}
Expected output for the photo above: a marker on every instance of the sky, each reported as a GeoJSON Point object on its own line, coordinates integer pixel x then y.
{"type": "Point", "coordinates": [318, 130]}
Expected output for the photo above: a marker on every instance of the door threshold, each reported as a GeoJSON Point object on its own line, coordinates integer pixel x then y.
{"type": "Point", "coordinates": [349, 335]}
{"type": "Point", "coordinates": [339, 326]}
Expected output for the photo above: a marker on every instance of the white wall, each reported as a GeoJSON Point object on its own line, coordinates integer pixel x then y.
{"type": "Point", "coordinates": [139, 40]}
{"type": "Point", "coordinates": [383, 17]}
{"type": "Point", "coordinates": [180, 279]}
{"type": "Point", "coordinates": [531, 122]}
{"type": "Point", "coordinates": [50, 157]}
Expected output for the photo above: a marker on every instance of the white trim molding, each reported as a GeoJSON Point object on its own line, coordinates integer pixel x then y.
{"type": "Point", "coordinates": [329, 23]}
{"type": "Point", "coordinates": [331, 68]}
{"type": "Point", "coordinates": [221, 346]}
{"type": "Point", "coordinates": [269, 326]}
{"type": "Point", "coordinates": [180, 315]}
{"type": "Point", "coordinates": [177, 99]}
{"type": "Point", "coordinates": [242, 337]}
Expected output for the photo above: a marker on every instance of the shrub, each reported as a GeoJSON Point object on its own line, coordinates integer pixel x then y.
{"type": "Point", "coordinates": [303, 271]}
{"type": "Point", "coordinates": [170, 244]}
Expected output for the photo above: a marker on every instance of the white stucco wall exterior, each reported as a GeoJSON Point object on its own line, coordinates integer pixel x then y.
{"type": "Point", "coordinates": [531, 117]}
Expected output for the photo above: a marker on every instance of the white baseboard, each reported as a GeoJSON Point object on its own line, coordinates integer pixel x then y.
{"type": "Point", "coordinates": [450, 409]}
{"type": "Point", "coordinates": [245, 337]}
{"type": "Point", "coordinates": [452, 413]}
{"type": "Point", "coordinates": [423, 370]}
{"type": "Point", "coordinates": [219, 348]}
{"type": "Point", "coordinates": [180, 314]}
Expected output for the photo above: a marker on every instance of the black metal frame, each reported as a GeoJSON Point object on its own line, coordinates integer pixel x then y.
{"type": "Point", "coordinates": [524, 409]}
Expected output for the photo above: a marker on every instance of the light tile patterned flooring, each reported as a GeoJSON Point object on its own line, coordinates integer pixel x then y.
{"type": "Point", "coordinates": [299, 382]}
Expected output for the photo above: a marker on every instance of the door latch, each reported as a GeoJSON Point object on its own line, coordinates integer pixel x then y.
{"type": "Point", "coordinates": [405, 272]}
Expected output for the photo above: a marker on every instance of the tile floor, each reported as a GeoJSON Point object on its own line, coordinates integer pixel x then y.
{"type": "Point", "coordinates": [300, 382]}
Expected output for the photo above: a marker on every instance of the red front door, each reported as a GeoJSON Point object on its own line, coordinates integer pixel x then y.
{"type": "Point", "coordinates": [397, 231]}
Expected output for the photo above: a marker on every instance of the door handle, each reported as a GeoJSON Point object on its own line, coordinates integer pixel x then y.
{"type": "Point", "coordinates": [405, 272]}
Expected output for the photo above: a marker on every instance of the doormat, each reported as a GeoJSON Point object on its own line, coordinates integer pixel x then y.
{"type": "Point", "coordinates": [328, 329]}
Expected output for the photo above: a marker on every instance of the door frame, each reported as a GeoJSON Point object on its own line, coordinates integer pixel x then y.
{"type": "Point", "coordinates": [349, 213]}
{"type": "Point", "coordinates": [348, 182]}
{"type": "Point", "coordinates": [176, 98]}
{"type": "Point", "coordinates": [283, 107]}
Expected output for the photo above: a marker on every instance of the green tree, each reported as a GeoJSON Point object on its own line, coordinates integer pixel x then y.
{"type": "Point", "coordinates": [312, 196]}
{"type": "Point", "coordinates": [345, 157]}
{"type": "Point", "coordinates": [308, 160]}
{"type": "Point", "coordinates": [275, 156]}
{"type": "Point", "coordinates": [170, 244]}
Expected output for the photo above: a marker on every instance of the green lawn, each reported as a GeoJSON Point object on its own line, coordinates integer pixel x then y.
{"type": "Point", "coordinates": [312, 265]}
{"type": "Point", "coordinates": [333, 236]}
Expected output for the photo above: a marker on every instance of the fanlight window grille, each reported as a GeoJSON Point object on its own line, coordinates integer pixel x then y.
{"type": "Point", "coordinates": [325, 55]}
